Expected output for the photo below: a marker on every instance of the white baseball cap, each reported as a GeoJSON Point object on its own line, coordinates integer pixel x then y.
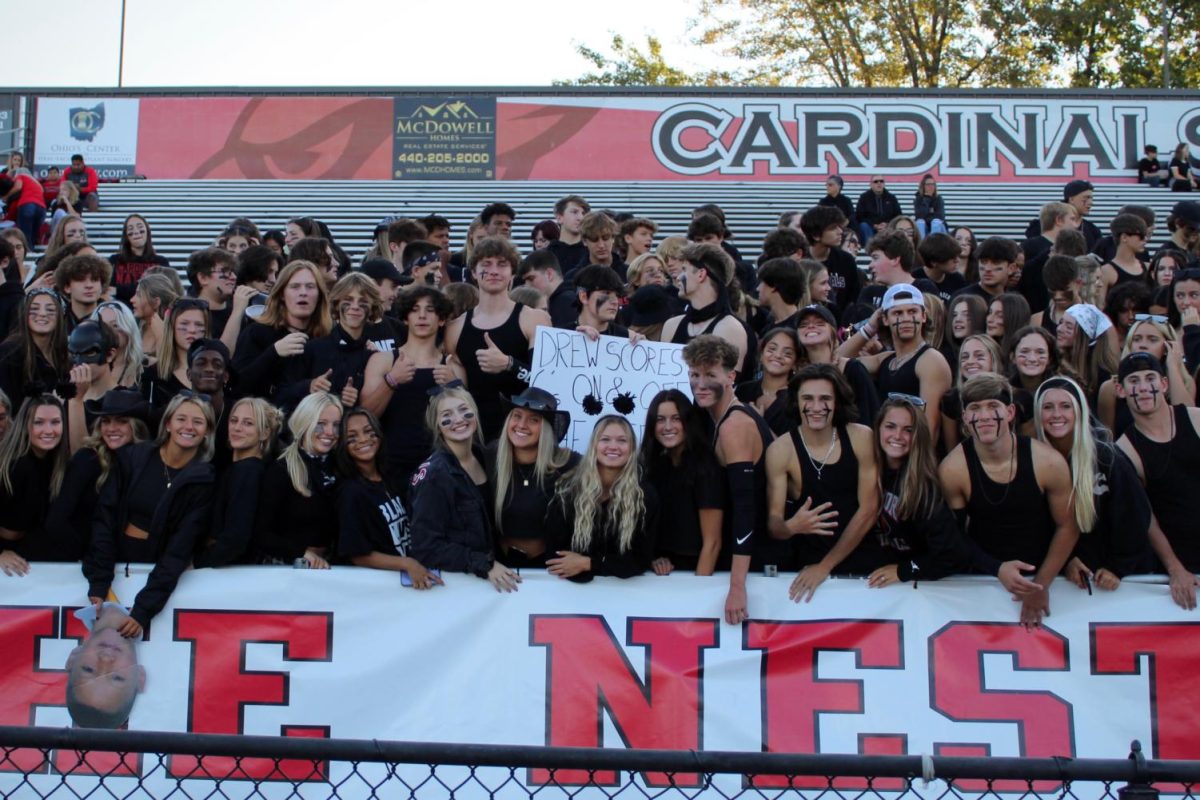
{"type": "Point", "coordinates": [902, 294]}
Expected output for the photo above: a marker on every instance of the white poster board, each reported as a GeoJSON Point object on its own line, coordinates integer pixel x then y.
{"type": "Point", "coordinates": [606, 376]}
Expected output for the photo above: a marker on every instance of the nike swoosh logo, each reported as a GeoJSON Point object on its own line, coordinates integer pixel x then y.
{"type": "Point", "coordinates": [743, 539]}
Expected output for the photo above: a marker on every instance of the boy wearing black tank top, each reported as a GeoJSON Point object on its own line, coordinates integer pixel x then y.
{"type": "Point", "coordinates": [1014, 494]}
{"type": "Point", "coordinates": [1164, 446]}
{"type": "Point", "coordinates": [703, 285]}
{"type": "Point", "coordinates": [740, 444]}
{"type": "Point", "coordinates": [830, 462]}
{"type": "Point", "coordinates": [493, 341]}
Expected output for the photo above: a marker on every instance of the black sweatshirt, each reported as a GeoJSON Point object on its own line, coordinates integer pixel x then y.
{"type": "Point", "coordinates": [287, 523]}
{"type": "Point", "coordinates": [235, 505]}
{"type": "Point", "coordinates": [603, 550]}
{"type": "Point", "coordinates": [69, 520]}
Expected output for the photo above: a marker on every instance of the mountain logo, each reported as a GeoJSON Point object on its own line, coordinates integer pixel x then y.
{"type": "Point", "coordinates": [86, 122]}
{"type": "Point", "coordinates": [456, 110]}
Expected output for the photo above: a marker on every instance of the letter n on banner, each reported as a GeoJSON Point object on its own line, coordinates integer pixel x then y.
{"type": "Point", "coordinates": [1044, 721]}
{"type": "Point", "coordinates": [793, 697]}
{"type": "Point", "coordinates": [1172, 651]}
{"type": "Point", "coordinates": [220, 686]}
{"type": "Point", "coordinates": [24, 685]}
{"type": "Point", "coordinates": [588, 675]}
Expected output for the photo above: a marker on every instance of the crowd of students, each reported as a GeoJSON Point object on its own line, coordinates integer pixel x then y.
{"type": "Point", "coordinates": [1014, 409]}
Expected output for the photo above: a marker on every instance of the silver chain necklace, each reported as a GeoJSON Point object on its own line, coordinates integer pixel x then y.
{"type": "Point", "coordinates": [824, 461]}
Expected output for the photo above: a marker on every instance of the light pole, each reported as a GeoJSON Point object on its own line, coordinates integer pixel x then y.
{"type": "Point", "coordinates": [121, 50]}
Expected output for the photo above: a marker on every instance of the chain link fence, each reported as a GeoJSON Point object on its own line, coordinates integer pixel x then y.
{"type": "Point", "coordinates": [78, 763]}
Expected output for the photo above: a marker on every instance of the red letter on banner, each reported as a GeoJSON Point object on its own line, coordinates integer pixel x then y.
{"type": "Point", "coordinates": [24, 685]}
{"type": "Point", "coordinates": [221, 687]}
{"type": "Point", "coordinates": [1043, 719]}
{"type": "Point", "coordinates": [589, 674]}
{"type": "Point", "coordinates": [794, 697]}
{"type": "Point", "coordinates": [1173, 650]}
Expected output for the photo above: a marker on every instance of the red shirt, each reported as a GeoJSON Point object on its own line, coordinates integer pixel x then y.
{"type": "Point", "coordinates": [87, 181]}
{"type": "Point", "coordinates": [51, 189]}
{"type": "Point", "coordinates": [31, 192]}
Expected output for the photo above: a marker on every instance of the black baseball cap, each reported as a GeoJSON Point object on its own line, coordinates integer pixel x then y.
{"type": "Point", "coordinates": [380, 270]}
{"type": "Point", "coordinates": [1187, 211]}
{"type": "Point", "coordinates": [818, 309]}
{"type": "Point", "coordinates": [1139, 362]}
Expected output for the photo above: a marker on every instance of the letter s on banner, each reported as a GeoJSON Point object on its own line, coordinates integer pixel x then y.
{"type": "Point", "coordinates": [220, 688]}
{"type": "Point", "coordinates": [1043, 719]}
{"type": "Point", "coordinates": [588, 674]}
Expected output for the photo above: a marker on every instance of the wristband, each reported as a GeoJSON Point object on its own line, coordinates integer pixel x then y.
{"type": "Point", "coordinates": [390, 381]}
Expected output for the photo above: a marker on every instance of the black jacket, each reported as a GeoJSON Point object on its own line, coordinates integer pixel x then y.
{"type": "Point", "coordinates": [286, 522]}
{"type": "Point", "coordinates": [876, 208]}
{"type": "Point", "coordinates": [346, 356]}
{"type": "Point", "coordinates": [843, 204]}
{"type": "Point", "coordinates": [69, 520]}
{"type": "Point", "coordinates": [449, 525]}
{"type": "Point", "coordinates": [182, 516]}
{"type": "Point", "coordinates": [929, 208]}
{"type": "Point", "coordinates": [607, 559]}
{"type": "Point", "coordinates": [235, 504]}
{"type": "Point", "coordinates": [261, 371]}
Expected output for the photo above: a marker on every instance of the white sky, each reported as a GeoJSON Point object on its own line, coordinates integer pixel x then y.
{"type": "Point", "coordinates": [327, 42]}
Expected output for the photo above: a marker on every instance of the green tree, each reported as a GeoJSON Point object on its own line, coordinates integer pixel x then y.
{"type": "Point", "coordinates": [630, 66]}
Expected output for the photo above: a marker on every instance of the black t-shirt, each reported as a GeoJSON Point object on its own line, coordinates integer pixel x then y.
{"type": "Point", "coordinates": [143, 496]}
{"type": "Point", "coordinates": [873, 295]}
{"type": "Point", "coordinates": [220, 317]}
{"type": "Point", "coordinates": [951, 283]}
{"type": "Point", "coordinates": [1148, 166]}
{"type": "Point", "coordinates": [844, 279]}
{"type": "Point", "coordinates": [570, 256]}
{"type": "Point", "coordinates": [686, 490]}
{"type": "Point", "coordinates": [371, 518]}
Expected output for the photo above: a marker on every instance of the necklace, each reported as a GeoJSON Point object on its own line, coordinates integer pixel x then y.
{"type": "Point", "coordinates": [169, 475]}
{"type": "Point", "coordinates": [824, 461]}
{"type": "Point", "coordinates": [1012, 474]}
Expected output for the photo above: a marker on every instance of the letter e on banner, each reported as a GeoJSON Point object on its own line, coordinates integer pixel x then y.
{"type": "Point", "coordinates": [220, 687]}
{"type": "Point", "coordinates": [794, 697]}
{"type": "Point", "coordinates": [1044, 721]}
{"type": "Point", "coordinates": [23, 684]}
{"type": "Point", "coordinates": [588, 674]}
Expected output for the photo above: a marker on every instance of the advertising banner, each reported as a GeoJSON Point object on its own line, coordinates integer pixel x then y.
{"type": "Point", "coordinates": [606, 376]}
{"type": "Point", "coordinates": [446, 138]}
{"type": "Point", "coordinates": [312, 138]}
{"type": "Point", "coordinates": [1001, 137]}
{"type": "Point", "coordinates": [103, 130]}
{"type": "Point", "coordinates": [644, 663]}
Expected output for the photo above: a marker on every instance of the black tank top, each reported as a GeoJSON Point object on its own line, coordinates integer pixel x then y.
{"type": "Point", "coordinates": [749, 362]}
{"type": "Point", "coordinates": [1171, 469]}
{"type": "Point", "coordinates": [836, 483]}
{"type": "Point", "coordinates": [903, 379]}
{"type": "Point", "coordinates": [1009, 521]}
{"type": "Point", "coordinates": [1048, 323]}
{"type": "Point", "coordinates": [408, 441]}
{"type": "Point", "coordinates": [1126, 277]}
{"type": "Point", "coordinates": [485, 388]}
{"type": "Point", "coordinates": [767, 549]}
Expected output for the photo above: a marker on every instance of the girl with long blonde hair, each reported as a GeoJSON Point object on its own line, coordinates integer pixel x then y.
{"type": "Point", "coordinates": [604, 515]}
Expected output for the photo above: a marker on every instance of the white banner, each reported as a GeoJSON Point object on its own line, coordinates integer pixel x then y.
{"type": "Point", "coordinates": [605, 376]}
{"type": "Point", "coordinates": [642, 663]}
{"type": "Point", "coordinates": [102, 129]}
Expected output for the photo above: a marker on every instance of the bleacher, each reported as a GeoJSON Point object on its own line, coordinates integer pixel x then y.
{"type": "Point", "coordinates": [186, 215]}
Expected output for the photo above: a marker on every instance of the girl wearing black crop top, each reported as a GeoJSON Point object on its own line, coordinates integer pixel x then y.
{"type": "Point", "coordinates": [121, 421]}
{"type": "Point", "coordinates": [33, 460]}
{"type": "Point", "coordinates": [917, 531]}
{"type": "Point", "coordinates": [396, 384]}
{"type": "Point", "coordinates": [296, 517]}
{"type": "Point", "coordinates": [154, 507]}
{"type": "Point", "coordinates": [253, 426]}
{"type": "Point", "coordinates": [680, 465]}
{"type": "Point", "coordinates": [1111, 507]}
{"type": "Point", "coordinates": [525, 466]}
{"type": "Point", "coordinates": [373, 524]}
{"type": "Point", "coordinates": [603, 518]}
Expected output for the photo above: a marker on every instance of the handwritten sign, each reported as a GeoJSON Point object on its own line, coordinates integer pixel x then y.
{"type": "Point", "coordinates": [606, 376]}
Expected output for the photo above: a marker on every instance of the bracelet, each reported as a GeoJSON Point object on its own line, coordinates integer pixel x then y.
{"type": "Point", "coordinates": [509, 368]}
{"type": "Point", "coordinates": [390, 381]}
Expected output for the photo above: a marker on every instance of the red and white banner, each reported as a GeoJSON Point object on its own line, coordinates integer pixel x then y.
{"type": "Point", "coordinates": [791, 136]}
{"type": "Point", "coordinates": [644, 663]}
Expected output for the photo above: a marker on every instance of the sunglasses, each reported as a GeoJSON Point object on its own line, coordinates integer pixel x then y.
{"type": "Point", "coordinates": [188, 394]}
{"type": "Point", "coordinates": [1161, 319]}
{"type": "Point", "coordinates": [900, 397]}
{"type": "Point", "coordinates": [437, 390]}
{"type": "Point", "coordinates": [877, 181]}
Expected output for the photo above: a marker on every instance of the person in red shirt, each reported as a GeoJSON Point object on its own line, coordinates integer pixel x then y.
{"type": "Point", "coordinates": [30, 201]}
{"type": "Point", "coordinates": [50, 184]}
{"type": "Point", "coordinates": [86, 179]}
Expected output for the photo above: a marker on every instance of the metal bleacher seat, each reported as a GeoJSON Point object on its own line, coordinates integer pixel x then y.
{"type": "Point", "coordinates": [186, 215]}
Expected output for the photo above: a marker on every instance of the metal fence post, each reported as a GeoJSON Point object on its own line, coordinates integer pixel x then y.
{"type": "Point", "coordinates": [1140, 788]}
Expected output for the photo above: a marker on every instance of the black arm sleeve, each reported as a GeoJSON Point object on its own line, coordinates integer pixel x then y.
{"type": "Point", "coordinates": [742, 502]}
